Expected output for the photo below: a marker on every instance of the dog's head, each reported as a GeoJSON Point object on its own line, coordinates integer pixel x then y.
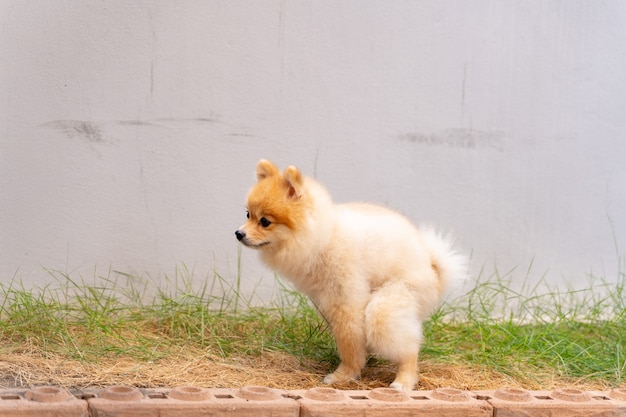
{"type": "Point", "coordinates": [275, 207]}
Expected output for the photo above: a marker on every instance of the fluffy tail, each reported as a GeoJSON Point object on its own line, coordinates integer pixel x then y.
{"type": "Point", "coordinates": [452, 266]}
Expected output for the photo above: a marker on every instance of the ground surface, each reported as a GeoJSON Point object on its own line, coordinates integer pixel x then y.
{"type": "Point", "coordinates": [275, 370]}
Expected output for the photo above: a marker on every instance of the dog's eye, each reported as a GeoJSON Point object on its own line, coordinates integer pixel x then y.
{"type": "Point", "coordinates": [247, 214]}
{"type": "Point", "coordinates": [264, 222]}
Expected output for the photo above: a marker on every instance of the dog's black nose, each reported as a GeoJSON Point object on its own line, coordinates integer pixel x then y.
{"type": "Point", "coordinates": [240, 234]}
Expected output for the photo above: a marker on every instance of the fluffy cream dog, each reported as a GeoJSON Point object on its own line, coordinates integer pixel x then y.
{"type": "Point", "coordinates": [371, 274]}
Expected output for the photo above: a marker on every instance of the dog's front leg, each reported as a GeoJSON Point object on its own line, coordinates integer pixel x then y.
{"type": "Point", "coordinates": [349, 332]}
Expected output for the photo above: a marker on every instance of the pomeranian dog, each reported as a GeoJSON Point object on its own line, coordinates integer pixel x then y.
{"type": "Point", "coordinates": [370, 273]}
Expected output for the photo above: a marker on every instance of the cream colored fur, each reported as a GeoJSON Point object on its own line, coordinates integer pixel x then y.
{"type": "Point", "coordinates": [372, 275]}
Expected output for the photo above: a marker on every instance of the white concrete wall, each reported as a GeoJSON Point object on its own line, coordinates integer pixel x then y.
{"type": "Point", "coordinates": [129, 131]}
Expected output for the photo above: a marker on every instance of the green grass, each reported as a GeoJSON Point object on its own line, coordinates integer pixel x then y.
{"type": "Point", "coordinates": [88, 322]}
{"type": "Point", "coordinates": [577, 335]}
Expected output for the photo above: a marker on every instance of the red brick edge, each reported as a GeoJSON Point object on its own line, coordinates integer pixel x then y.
{"type": "Point", "coordinates": [252, 401]}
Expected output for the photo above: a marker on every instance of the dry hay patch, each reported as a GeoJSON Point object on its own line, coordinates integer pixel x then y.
{"type": "Point", "coordinates": [271, 369]}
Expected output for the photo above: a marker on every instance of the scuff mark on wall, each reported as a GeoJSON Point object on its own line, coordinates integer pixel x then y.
{"type": "Point", "coordinates": [80, 129]}
{"type": "Point", "coordinates": [207, 119]}
{"type": "Point", "coordinates": [134, 123]}
{"type": "Point", "coordinates": [458, 138]}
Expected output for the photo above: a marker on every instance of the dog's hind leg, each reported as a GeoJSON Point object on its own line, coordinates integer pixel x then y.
{"type": "Point", "coordinates": [394, 331]}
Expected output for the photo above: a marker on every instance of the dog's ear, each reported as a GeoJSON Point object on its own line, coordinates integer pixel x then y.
{"type": "Point", "coordinates": [294, 179]}
{"type": "Point", "coordinates": [264, 169]}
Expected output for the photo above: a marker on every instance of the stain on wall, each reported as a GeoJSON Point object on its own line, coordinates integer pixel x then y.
{"type": "Point", "coordinates": [80, 129]}
{"type": "Point", "coordinates": [458, 138]}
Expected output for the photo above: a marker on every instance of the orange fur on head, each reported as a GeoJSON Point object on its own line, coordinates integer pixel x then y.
{"type": "Point", "coordinates": [276, 196]}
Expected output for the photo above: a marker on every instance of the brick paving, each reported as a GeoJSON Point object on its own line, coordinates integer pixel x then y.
{"type": "Point", "coordinates": [258, 401]}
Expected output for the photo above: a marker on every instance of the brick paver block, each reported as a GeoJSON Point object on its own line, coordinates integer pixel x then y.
{"type": "Point", "coordinates": [186, 401]}
{"type": "Point", "coordinates": [122, 401]}
{"type": "Point", "coordinates": [41, 401]}
{"type": "Point", "coordinates": [322, 402]}
{"type": "Point", "coordinates": [562, 402]}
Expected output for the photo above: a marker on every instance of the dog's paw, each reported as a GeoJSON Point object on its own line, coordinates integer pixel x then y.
{"type": "Point", "coordinates": [331, 379]}
{"type": "Point", "coordinates": [398, 386]}
{"type": "Point", "coordinates": [404, 385]}
{"type": "Point", "coordinates": [336, 378]}
{"type": "Point", "coordinates": [339, 378]}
